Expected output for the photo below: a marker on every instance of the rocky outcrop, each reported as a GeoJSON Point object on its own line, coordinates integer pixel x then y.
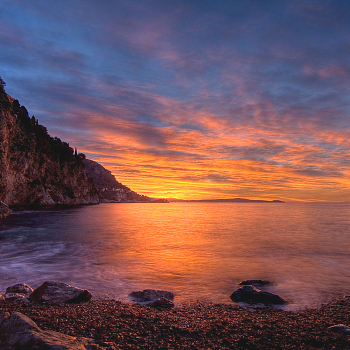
{"type": "Point", "coordinates": [58, 292]}
{"type": "Point", "coordinates": [252, 295]}
{"type": "Point", "coordinates": [109, 189]}
{"type": "Point", "coordinates": [35, 168]}
{"type": "Point", "coordinates": [18, 331]}
{"type": "Point", "coordinates": [154, 298]}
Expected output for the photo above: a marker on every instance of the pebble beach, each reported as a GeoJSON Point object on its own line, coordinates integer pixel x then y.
{"type": "Point", "coordinates": [193, 326]}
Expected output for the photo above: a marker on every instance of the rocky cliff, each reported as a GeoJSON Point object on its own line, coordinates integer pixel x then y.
{"type": "Point", "coordinates": [109, 189]}
{"type": "Point", "coordinates": [35, 168]}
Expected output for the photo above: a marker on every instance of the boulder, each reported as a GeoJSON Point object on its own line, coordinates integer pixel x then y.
{"type": "Point", "coordinates": [339, 328]}
{"type": "Point", "coordinates": [58, 292]}
{"type": "Point", "coordinates": [151, 295]}
{"type": "Point", "coordinates": [16, 298]}
{"type": "Point", "coordinates": [18, 331]}
{"type": "Point", "coordinates": [21, 288]}
{"type": "Point", "coordinates": [161, 303]}
{"type": "Point", "coordinates": [252, 295]}
{"type": "Point", "coordinates": [255, 283]}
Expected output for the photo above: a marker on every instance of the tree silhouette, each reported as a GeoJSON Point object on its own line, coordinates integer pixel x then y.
{"type": "Point", "coordinates": [2, 85]}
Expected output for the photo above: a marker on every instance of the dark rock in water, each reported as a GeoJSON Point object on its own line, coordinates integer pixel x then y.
{"type": "Point", "coordinates": [18, 331]}
{"type": "Point", "coordinates": [21, 288]}
{"type": "Point", "coordinates": [151, 295]}
{"type": "Point", "coordinates": [252, 295]}
{"type": "Point", "coordinates": [255, 283]}
{"type": "Point", "coordinates": [58, 292]}
{"type": "Point", "coordinates": [162, 303]}
{"type": "Point", "coordinates": [339, 328]}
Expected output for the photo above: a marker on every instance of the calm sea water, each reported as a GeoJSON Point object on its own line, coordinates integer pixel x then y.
{"type": "Point", "coordinates": [199, 251]}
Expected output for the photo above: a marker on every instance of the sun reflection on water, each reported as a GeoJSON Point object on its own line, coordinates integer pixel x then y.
{"type": "Point", "coordinates": [196, 250]}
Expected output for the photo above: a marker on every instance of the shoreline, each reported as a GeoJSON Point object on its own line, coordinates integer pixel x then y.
{"type": "Point", "coordinates": [196, 325]}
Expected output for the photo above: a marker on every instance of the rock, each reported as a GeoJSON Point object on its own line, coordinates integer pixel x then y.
{"type": "Point", "coordinates": [255, 283]}
{"type": "Point", "coordinates": [18, 331]}
{"type": "Point", "coordinates": [154, 298]}
{"type": "Point", "coordinates": [161, 303]}
{"type": "Point", "coordinates": [58, 292]}
{"type": "Point", "coordinates": [2, 298]}
{"type": "Point", "coordinates": [339, 328]}
{"type": "Point", "coordinates": [252, 295]}
{"type": "Point", "coordinates": [16, 298]}
{"type": "Point", "coordinates": [151, 295]}
{"type": "Point", "coordinates": [22, 288]}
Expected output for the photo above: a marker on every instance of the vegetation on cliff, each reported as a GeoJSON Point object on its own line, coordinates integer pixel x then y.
{"type": "Point", "coordinates": [35, 168]}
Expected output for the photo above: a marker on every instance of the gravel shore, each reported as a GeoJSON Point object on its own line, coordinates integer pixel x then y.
{"type": "Point", "coordinates": [194, 325]}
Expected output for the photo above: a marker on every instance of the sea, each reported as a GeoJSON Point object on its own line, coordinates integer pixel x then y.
{"type": "Point", "coordinates": [197, 250]}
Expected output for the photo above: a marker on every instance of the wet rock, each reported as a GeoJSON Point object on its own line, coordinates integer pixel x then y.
{"type": "Point", "coordinates": [252, 295]}
{"type": "Point", "coordinates": [339, 328]}
{"type": "Point", "coordinates": [151, 295]}
{"type": "Point", "coordinates": [255, 283]}
{"type": "Point", "coordinates": [18, 331]}
{"type": "Point", "coordinates": [21, 288]}
{"type": "Point", "coordinates": [58, 292]}
{"type": "Point", "coordinates": [162, 303]}
{"type": "Point", "coordinates": [16, 298]}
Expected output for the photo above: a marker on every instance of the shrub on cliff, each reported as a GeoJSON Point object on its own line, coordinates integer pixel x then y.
{"type": "Point", "coordinates": [4, 102]}
{"type": "Point", "coordinates": [2, 84]}
{"type": "Point", "coordinates": [45, 144]}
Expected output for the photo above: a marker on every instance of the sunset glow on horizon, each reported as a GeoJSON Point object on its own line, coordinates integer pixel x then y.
{"type": "Point", "coordinates": [191, 99]}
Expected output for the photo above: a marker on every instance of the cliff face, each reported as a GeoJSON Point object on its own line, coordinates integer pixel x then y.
{"type": "Point", "coordinates": [36, 169]}
{"type": "Point", "coordinates": [109, 189]}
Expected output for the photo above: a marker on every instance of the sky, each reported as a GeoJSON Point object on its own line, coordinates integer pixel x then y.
{"type": "Point", "coordinates": [191, 99]}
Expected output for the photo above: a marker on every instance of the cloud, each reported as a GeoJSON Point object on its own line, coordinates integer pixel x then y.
{"type": "Point", "coordinates": [318, 173]}
{"type": "Point", "coordinates": [190, 98]}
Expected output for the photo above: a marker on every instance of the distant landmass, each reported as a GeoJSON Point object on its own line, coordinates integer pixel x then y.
{"type": "Point", "coordinates": [229, 200]}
